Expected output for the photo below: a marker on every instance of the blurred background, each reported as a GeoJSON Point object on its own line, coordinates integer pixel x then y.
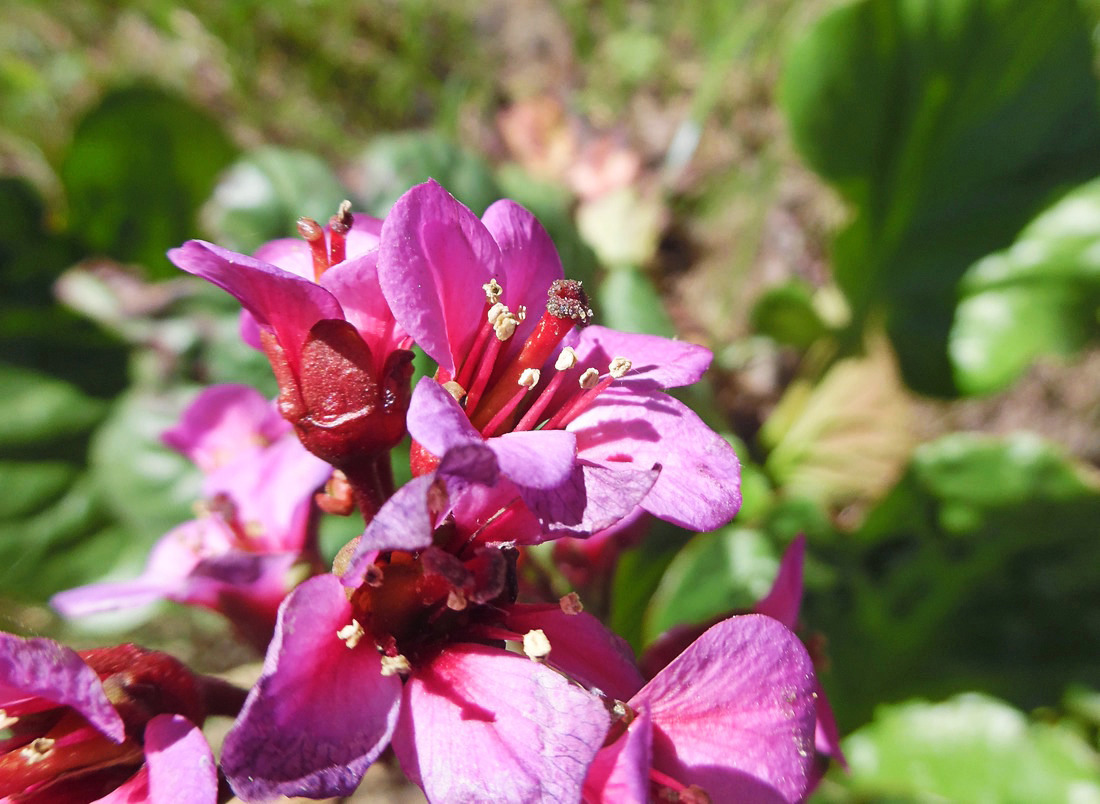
{"type": "Point", "coordinates": [882, 216]}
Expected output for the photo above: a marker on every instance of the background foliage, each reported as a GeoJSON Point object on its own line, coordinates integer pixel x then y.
{"type": "Point", "coordinates": [882, 215]}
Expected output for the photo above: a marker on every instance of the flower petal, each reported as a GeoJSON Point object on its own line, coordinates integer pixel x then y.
{"type": "Point", "coordinates": [288, 304]}
{"type": "Point", "coordinates": [700, 482]}
{"type": "Point", "coordinates": [734, 713]}
{"type": "Point", "coordinates": [293, 254]}
{"type": "Point", "coordinates": [436, 421]}
{"type": "Point", "coordinates": [433, 258]}
{"type": "Point", "coordinates": [656, 362]}
{"type": "Point", "coordinates": [41, 668]}
{"type": "Point", "coordinates": [181, 767]}
{"type": "Point", "coordinates": [354, 283]}
{"type": "Point", "coordinates": [536, 459]}
{"type": "Point", "coordinates": [784, 599]}
{"type": "Point", "coordinates": [321, 713]}
{"type": "Point", "coordinates": [620, 772]}
{"type": "Point", "coordinates": [481, 724]}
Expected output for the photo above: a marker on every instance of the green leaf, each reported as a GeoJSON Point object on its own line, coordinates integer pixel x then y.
{"type": "Point", "coordinates": [714, 574]}
{"type": "Point", "coordinates": [969, 748]}
{"type": "Point", "coordinates": [37, 409]}
{"type": "Point", "coordinates": [30, 486]}
{"type": "Point", "coordinates": [393, 163]}
{"type": "Point", "coordinates": [264, 193]}
{"type": "Point", "coordinates": [636, 578]}
{"type": "Point", "coordinates": [629, 302]}
{"type": "Point", "coordinates": [947, 124]}
{"type": "Point", "coordinates": [786, 313]}
{"type": "Point", "coordinates": [140, 165]}
{"type": "Point", "coordinates": [1041, 296]}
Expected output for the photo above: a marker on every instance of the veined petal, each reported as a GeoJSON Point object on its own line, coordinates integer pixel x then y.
{"type": "Point", "coordinates": [591, 499]}
{"type": "Point", "coordinates": [321, 712]}
{"type": "Point", "coordinates": [537, 459]}
{"type": "Point", "coordinates": [41, 668]}
{"type": "Point", "coordinates": [482, 724]}
{"type": "Point", "coordinates": [700, 482]}
{"type": "Point", "coordinates": [620, 772]}
{"type": "Point", "coordinates": [734, 713]}
{"type": "Point", "coordinates": [582, 648]}
{"type": "Point", "coordinates": [181, 767]}
{"type": "Point", "coordinates": [656, 362]}
{"type": "Point", "coordinates": [436, 421]}
{"type": "Point", "coordinates": [433, 258]}
{"type": "Point", "coordinates": [286, 303]}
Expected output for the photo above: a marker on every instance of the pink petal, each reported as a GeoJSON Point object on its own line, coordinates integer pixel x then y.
{"type": "Point", "coordinates": [41, 668]}
{"type": "Point", "coordinates": [784, 599]}
{"type": "Point", "coordinates": [287, 304]}
{"type": "Point", "coordinates": [436, 421]}
{"type": "Point", "coordinates": [321, 712]}
{"type": "Point", "coordinates": [620, 772]}
{"type": "Point", "coordinates": [536, 459]}
{"type": "Point", "coordinates": [134, 790]}
{"type": "Point", "coordinates": [354, 283]}
{"type": "Point", "coordinates": [656, 362]}
{"type": "Point", "coordinates": [593, 498]}
{"type": "Point", "coordinates": [734, 713]}
{"type": "Point", "coordinates": [433, 258]}
{"type": "Point", "coordinates": [181, 767]}
{"type": "Point", "coordinates": [481, 724]}
{"type": "Point", "coordinates": [582, 648]}
{"type": "Point", "coordinates": [700, 482]}
{"type": "Point", "coordinates": [293, 254]}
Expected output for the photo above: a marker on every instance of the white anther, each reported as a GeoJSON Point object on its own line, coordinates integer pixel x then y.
{"type": "Point", "coordinates": [536, 645]}
{"type": "Point", "coordinates": [589, 378]}
{"type": "Point", "coordinates": [493, 291]}
{"type": "Point", "coordinates": [619, 367]}
{"type": "Point", "coordinates": [6, 720]}
{"type": "Point", "coordinates": [455, 390]}
{"type": "Point", "coordinates": [37, 750]}
{"type": "Point", "coordinates": [495, 312]}
{"type": "Point", "coordinates": [529, 378]}
{"type": "Point", "coordinates": [393, 665]}
{"type": "Point", "coordinates": [351, 633]}
{"type": "Point", "coordinates": [567, 358]}
{"type": "Point", "coordinates": [505, 326]}
{"type": "Point", "coordinates": [521, 312]}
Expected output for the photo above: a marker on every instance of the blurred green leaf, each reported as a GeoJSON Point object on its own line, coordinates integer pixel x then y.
{"type": "Point", "coordinates": [1041, 296]}
{"type": "Point", "coordinates": [969, 748]}
{"type": "Point", "coordinates": [628, 301]}
{"type": "Point", "coordinates": [948, 124]}
{"type": "Point", "coordinates": [36, 409]}
{"type": "Point", "coordinates": [140, 165]}
{"type": "Point", "coordinates": [786, 313]}
{"type": "Point", "coordinates": [393, 163]}
{"type": "Point", "coordinates": [29, 486]}
{"type": "Point", "coordinates": [637, 576]}
{"type": "Point", "coordinates": [264, 193]}
{"type": "Point", "coordinates": [714, 574]}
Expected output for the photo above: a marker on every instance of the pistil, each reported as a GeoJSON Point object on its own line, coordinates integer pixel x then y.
{"type": "Point", "coordinates": [339, 225]}
{"type": "Point", "coordinates": [315, 236]}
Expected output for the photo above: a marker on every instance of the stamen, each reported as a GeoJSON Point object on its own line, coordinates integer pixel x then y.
{"type": "Point", "coordinates": [315, 236]}
{"type": "Point", "coordinates": [493, 291]}
{"type": "Point", "coordinates": [470, 364]}
{"type": "Point", "coordinates": [339, 225]}
{"type": "Point", "coordinates": [394, 665]}
{"type": "Point", "coordinates": [591, 387]}
{"type": "Point", "coordinates": [536, 645]}
{"type": "Point", "coordinates": [528, 380]}
{"type": "Point", "coordinates": [589, 379]}
{"type": "Point", "coordinates": [37, 750]}
{"type": "Point", "coordinates": [6, 720]}
{"type": "Point", "coordinates": [504, 326]}
{"type": "Point", "coordinates": [351, 633]}
{"type": "Point", "coordinates": [571, 603]}
{"type": "Point", "coordinates": [455, 390]}
{"type": "Point", "coordinates": [567, 359]}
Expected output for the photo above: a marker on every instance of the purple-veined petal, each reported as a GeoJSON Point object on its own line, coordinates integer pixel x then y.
{"type": "Point", "coordinates": [181, 767]}
{"type": "Point", "coordinates": [354, 283]}
{"type": "Point", "coordinates": [482, 724]}
{"type": "Point", "coordinates": [223, 422]}
{"type": "Point", "coordinates": [591, 499]}
{"type": "Point", "coordinates": [436, 421]}
{"type": "Point", "coordinates": [41, 668]}
{"type": "Point", "coordinates": [582, 648]}
{"type": "Point", "coordinates": [288, 304]}
{"type": "Point", "coordinates": [784, 599]}
{"type": "Point", "coordinates": [700, 482]}
{"type": "Point", "coordinates": [433, 258]}
{"type": "Point", "coordinates": [656, 362]}
{"type": "Point", "coordinates": [530, 263]}
{"type": "Point", "coordinates": [402, 523]}
{"type": "Point", "coordinates": [620, 772]}
{"type": "Point", "coordinates": [536, 459]}
{"type": "Point", "coordinates": [734, 713]}
{"type": "Point", "coordinates": [321, 712]}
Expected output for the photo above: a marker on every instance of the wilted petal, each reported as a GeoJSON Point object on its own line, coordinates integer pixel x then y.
{"type": "Point", "coordinates": [181, 767]}
{"type": "Point", "coordinates": [481, 724]}
{"type": "Point", "coordinates": [433, 258]}
{"type": "Point", "coordinates": [321, 712]}
{"type": "Point", "coordinates": [784, 599]}
{"type": "Point", "coordinates": [288, 304]}
{"type": "Point", "coordinates": [734, 713]}
{"type": "Point", "coordinates": [700, 482]}
{"type": "Point", "coordinates": [620, 772]}
{"type": "Point", "coordinates": [41, 668]}
{"type": "Point", "coordinates": [656, 362]}
{"type": "Point", "coordinates": [582, 648]}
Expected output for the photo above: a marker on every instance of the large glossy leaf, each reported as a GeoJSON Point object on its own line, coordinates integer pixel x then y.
{"type": "Point", "coordinates": [140, 164]}
{"type": "Point", "coordinates": [969, 748]}
{"type": "Point", "coordinates": [1041, 296]}
{"type": "Point", "coordinates": [947, 124]}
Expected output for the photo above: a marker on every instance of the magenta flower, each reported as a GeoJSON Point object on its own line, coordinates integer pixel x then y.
{"type": "Point", "coordinates": [732, 716]}
{"type": "Point", "coordinates": [339, 357]}
{"type": "Point", "coordinates": [110, 725]}
{"type": "Point", "coordinates": [257, 518]}
{"type": "Point", "coordinates": [578, 420]}
{"type": "Point", "coordinates": [407, 649]}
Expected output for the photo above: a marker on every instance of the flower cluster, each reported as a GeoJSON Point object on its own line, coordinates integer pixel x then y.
{"type": "Point", "coordinates": [426, 636]}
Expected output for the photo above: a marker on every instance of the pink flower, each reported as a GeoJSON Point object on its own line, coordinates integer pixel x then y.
{"type": "Point", "coordinates": [732, 717]}
{"type": "Point", "coordinates": [109, 725]}
{"type": "Point", "coordinates": [257, 520]}
{"type": "Point", "coordinates": [339, 357]}
{"type": "Point", "coordinates": [578, 419]}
